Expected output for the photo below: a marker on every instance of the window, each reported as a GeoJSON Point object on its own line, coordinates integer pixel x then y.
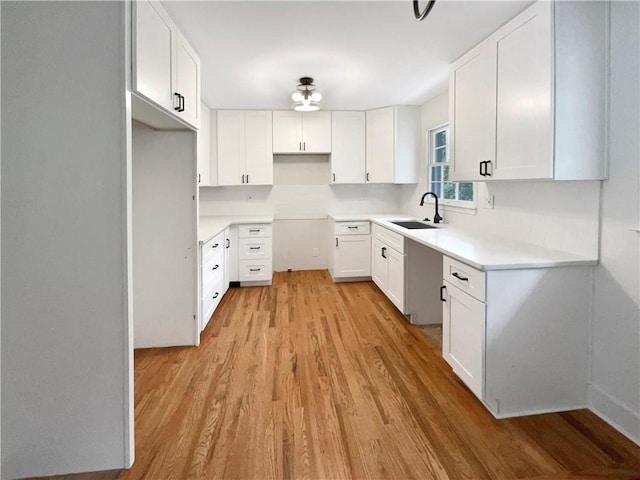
{"type": "Point", "coordinates": [453, 193]}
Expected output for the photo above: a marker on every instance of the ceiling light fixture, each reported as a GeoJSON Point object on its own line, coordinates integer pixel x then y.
{"type": "Point", "coordinates": [305, 98]}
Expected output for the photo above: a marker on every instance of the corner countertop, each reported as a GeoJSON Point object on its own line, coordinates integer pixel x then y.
{"type": "Point", "coordinates": [210, 226]}
{"type": "Point", "coordinates": [482, 251]}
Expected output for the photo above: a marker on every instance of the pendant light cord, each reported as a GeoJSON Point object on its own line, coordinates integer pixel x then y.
{"type": "Point", "coordinates": [422, 15]}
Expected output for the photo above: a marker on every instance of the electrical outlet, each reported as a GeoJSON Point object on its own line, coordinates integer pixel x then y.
{"type": "Point", "coordinates": [316, 252]}
{"type": "Point", "coordinates": [489, 200]}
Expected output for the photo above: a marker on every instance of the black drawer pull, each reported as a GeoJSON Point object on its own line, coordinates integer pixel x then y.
{"type": "Point", "coordinates": [254, 230]}
{"type": "Point", "coordinates": [353, 228]}
{"type": "Point", "coordinates": [383, 251]}
{"type": "Point", "coordinates": [215, 296]}
{"type": "Point", "coordinates": [176, 94]}
{"type": "Point", "coordinates": [215, 268]}
{"type": "Point", "coordinates": [215, 245]}
{"type": "Point", "coordinates": [255, 269]}
{"type": "Point", "coordinates": [459, 277]}
{"type": "Point", "coordinates": [254, 248]}
{"type": "Point", "coordinates": [228, 242]}
{"type": "Point", "coordinates": [442, 289]}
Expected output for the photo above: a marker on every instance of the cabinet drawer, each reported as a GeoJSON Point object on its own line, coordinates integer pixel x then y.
{"type": "Point", "coordinates": [352, 228]}
{"type": "Point", "coordinates": [213, 266]}
{"type": "Point", "coordinates": [255, 270]}
{"type": "Point", "coordinates": [392, 239]}
{"type": "Point", "coordinates": [211, 296]}
{"type": "Point", "coordinates": [466, 278]}
{"type": "Point", "coordinates": [212, 247]}
{"type": "Point", "coordinates": [249, 231]}
{"type": "Point", "coordinates": [254, 248]}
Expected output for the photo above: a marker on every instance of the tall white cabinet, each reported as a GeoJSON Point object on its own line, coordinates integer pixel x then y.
{"type": "Point", "coordinates": [529, 102]}
{"type": "Point", "coordinates": [244, 146]}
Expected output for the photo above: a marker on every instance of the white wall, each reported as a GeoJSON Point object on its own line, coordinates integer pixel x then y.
{"type": "Point", "coordinates": [615, 383]}
{"type": "Point", "coordinates": [64, 269]}
{"type": "Point", "coordinates": [558, 215]}
{"type": "Point", "coordinates": [300, 199]}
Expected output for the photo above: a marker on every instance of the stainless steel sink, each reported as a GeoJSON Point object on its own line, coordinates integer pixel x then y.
{"type": "Point", "coordinates": [411, 224]}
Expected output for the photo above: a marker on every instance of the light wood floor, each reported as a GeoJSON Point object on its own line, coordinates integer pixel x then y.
{"type": "Point", "coordinates": [314, 380]}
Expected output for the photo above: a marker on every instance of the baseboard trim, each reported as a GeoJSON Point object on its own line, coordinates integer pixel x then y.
{"type": "Point", "coordinates": [614, 413]}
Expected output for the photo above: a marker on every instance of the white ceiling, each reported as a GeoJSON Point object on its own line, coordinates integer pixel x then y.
{"type": "Point", "coordinates": [362, 54]}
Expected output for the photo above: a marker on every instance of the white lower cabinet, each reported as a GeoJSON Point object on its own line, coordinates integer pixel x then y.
{"type": "Point", "coordinates": [463, 327]}
{"type": "Point", "coordinates": [350, 251]}
{"type": "Point", "coordinates": [212, 276]}
{"type": "Point", "coordinates": [255, 253]}
{"type": "Point", "coordinates": [518, 338]}
{"type": "Point", "coordinates": [388, 265]}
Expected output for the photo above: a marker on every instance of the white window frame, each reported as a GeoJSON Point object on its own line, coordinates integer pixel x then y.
{"type": "Point", "coordinates": [466, 206]}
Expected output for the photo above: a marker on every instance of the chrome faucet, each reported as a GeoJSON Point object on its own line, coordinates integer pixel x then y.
{"type": "Point", "coordinates": [437, 217]}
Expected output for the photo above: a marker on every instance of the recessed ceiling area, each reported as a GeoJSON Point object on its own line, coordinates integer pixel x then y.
{"type": "Point", "coordinates": [361, 54]}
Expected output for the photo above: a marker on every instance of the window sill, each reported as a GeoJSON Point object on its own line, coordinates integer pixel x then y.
{"type": "Point", "coordinates": [455, 207]}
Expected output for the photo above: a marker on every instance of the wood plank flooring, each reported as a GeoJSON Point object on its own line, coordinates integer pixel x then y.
{"type": "Point", "coordinates": [308, 379]}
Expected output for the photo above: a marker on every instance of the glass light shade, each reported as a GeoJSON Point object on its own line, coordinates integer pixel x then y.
{"type": "Point", "coordinates": [316, 96]}
{"type": "Point", "coordinates": [296, 96]}
{"type": "Point", "coordinates": [301, 107]}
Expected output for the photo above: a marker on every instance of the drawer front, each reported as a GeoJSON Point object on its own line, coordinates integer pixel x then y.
{"type": "Point", "coordinates": [213, 266]}
{"type": "Point", "coordinates": [254, 248]}
{"type": "Point", "coordinates": [392, 239]}
{"type": "Point", "coordinates": [253, 271]}
{"type": "Point", "coordinates": [466, 278]}
{"type": "Point", "coordinates": [258, 230]}
{"type": "Point", "coordinates": [352, 228]}
{"type": "Point", "coordinates": [212, 247]}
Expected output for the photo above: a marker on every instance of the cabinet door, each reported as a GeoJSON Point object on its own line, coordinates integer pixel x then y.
{"type": "Point", "coordinates": [524, 123]}
{"type": "Point", "coordinates": [395, 281]}
{"type": "Point", "coordinates": [380, 145]}
{"type": "Point", "coordinates": [463, 337]}
{"type": "Point", "coordinates": [287, 132]}
{"type": "Point", "coordinates": [258, 148]}
{"type": "Point", "coordinates": [379, 264]}
{"type": "Point", "coordinates": [472, 112]}
{"type": "Point", "coordinates": [227, 259]}
{"type": "Point", "coordinates": [204, 146]}
{"type": "Point", "coordinates": [348, 147]}
{"type": "Point", "coordinates": [352, 256]}
{"type": "Point", "coordinates": [152, 71]}
{"type": "Point", "coordinates": [316, 132]}
{"type": "Point", "coordinates": [231, 147]}
{"type": "Point", "coordinates": [188, 81]}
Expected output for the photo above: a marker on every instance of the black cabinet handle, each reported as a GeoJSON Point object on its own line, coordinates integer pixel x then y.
{"type": "Point", "coordinates": [216, 295]}
{"type": "Point", "coordinates": [181, 103]}
{"type": "Point", "coordinates": [215, 267]}
{"type": "Point", "coordinates": [228, 242]}
{"type": "Point", "coordinates": [486, 168]}
{"type": "Point", "coordinates": [247, 178]}
{"type": "Point", "coordinates": [304, 146]}
{"type": "Point", "coordinates": [442, 289]}
{"type": "Point", "coordinates": [336, 241]}
{"type": "Point", "coordinates": [255, 269]}
{"type": "Point", "coordinates": [300, 146]}
{"type": "Point", "coordinates": [367, 176]}
{"type": "Point", "coordinates": [215, 245]}
{"type": "Point", "coordinates": [334, 177]}
{"type": "Point", "coordinates": [242, 178]}
{"type": "Point", "coordinates": [384, 249]}
{"type": "Point", "coordinates": [459, 277]}
{"type": "Point", "coordinates": [254, 248]}
{"type": "Point", "coordinates": [254, 230]}
{"type": "Point", "coordinates": [176, 94]}
{"type": "Point", "coordinates": [481, 171]}
{"type": "Point", "coordinates": [198, 178]}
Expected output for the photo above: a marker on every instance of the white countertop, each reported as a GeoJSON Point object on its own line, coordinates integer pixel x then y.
{"type": "Point", "coordinates": [210, 226]}
{"type": "Point", "coordinates": [484, 252]}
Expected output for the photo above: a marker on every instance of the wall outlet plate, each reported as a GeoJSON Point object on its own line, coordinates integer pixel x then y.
{"type": "Point", "coordinates": [488, 201]}
{"type": "Point", "coordinates": [316, 252]}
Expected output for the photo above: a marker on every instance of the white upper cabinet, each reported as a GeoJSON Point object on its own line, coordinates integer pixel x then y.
{"type": "Point", "coordinates": [393, 144]}
{"type": "Point", "coordinates": [301, 132]}
{"type": "Point", "coordinates": [471, 110]}
{"type": "Point", "coordinates": [530, 101]}
{"type": "Point", "coordinates": [244, 147]}
{"type": "Point", "coordinates": [188, 81]}
{"type": "Point", "coordinates": [348, 147]}
{"type": "Point", "coordinates": [166, 70]}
